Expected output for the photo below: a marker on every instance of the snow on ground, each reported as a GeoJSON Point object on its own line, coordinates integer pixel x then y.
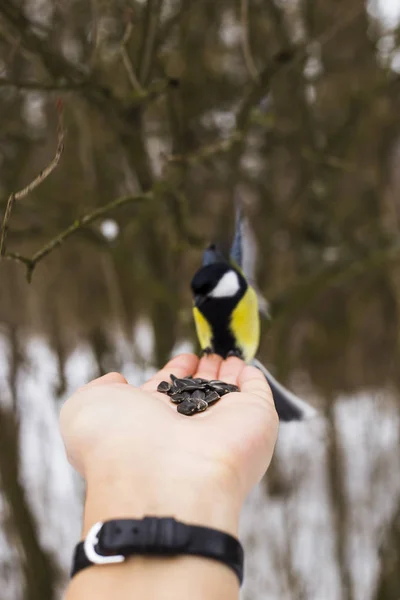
{"type": "Point", "coordinates": [287, 540]}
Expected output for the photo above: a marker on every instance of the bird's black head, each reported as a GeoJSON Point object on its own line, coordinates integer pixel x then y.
{"type": "Point", "coordinates": [217, 284]}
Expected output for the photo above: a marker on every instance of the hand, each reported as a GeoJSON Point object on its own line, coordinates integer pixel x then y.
{"type": "Point", "coordinates": [140, 456]}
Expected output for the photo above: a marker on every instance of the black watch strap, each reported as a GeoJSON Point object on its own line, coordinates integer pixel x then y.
{"type": "Point", "coordinates": [113, 541]}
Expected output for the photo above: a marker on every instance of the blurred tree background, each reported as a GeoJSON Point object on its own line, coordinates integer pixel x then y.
{"type": "Point", "coordinates": [170, 107]}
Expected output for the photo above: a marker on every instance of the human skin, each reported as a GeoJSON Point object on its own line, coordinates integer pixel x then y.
{"type": "Point", "coordinates": [139, 457]}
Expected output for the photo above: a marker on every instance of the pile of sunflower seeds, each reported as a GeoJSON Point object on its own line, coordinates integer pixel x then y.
{"type": "Point", "coordinates": [193, 395]}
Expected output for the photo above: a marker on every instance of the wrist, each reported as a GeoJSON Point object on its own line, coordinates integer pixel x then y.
{"type": "Point", "coordinates": [202, 495]}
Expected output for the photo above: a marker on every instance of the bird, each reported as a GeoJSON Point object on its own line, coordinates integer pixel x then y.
{"type": "Point", "coordinates": [226, 311]}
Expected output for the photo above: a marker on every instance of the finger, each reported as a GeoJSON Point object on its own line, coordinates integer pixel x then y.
{"type": "Point", "coordinates": [106, 379]}
{"type": "Point", "coordinates": [181, 366]}
{"type": "Point", "coordinates": [252, 381]}
{"type": "Point", "coordinates": [231, 369]}
{"type": "Point", "coordinates": [209, 366]}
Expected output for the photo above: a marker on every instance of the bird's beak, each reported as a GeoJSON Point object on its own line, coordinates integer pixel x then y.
{"type": "Point", "coordinates": [199, 299]}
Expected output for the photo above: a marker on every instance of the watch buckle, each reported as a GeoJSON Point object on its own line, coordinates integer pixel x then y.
{"type": "Point", "coordinates": [89, 544]}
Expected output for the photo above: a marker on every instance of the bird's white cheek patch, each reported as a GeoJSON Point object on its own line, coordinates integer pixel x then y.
{"type": "Point", "coordinates": [227, 286]}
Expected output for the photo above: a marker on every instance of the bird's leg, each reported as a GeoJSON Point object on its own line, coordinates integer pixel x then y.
{"type": "Point", "coordinates": [206, 351]}
{"type": "Point", "coordinates": [235, 352]}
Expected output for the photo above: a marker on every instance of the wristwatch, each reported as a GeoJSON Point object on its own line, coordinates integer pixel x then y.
{"type": "Point", "coordinates": [113, 541]}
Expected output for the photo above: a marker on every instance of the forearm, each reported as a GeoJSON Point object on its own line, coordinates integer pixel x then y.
{"type": "Point", "coordinates": [111, 496]}
{"type": "Point", "coordinates": [153, 579]}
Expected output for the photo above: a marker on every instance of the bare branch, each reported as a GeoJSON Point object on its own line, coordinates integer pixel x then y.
{"type": "Point", "coordinates": [78, 224]}
{"type": "Point", "coordinates": [248, 59]}
{"type": "Point", "coordinates": [40, 86]}
{"type": "Point", "coordinates": [126, 59]}
{"type": "Point", "coordinates": [153, 10]}
{"type": "Point", "coordinates": [336, 162]}
{"type": "Point", "coordinates": [33, 184]}
{"type": "Point", "coordinates": [17, 257]}
{"type": "Point", "coordinates": [94, 33]}
{"type": "Point", "coordinates": [207, 151]}
{"type": "Point", "coordinates": [38, 46]}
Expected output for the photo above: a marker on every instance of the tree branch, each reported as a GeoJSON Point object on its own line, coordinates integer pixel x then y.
{"type": "Point", "coordinates": [248, 59]}
{"type": "Point", "coordinates": [126, 59]}
{"type": "Point", "coordinates": [153, 10]}
{"type": "Point", "coordinates": [94, 33]}
{"type": "Point", "coordinates": [204, 152]}
{"type": "Point", "coordinates": [78, 224]}
{"type": "Point", "coordinates": [41, 86]}
{"type": "Point", "coordinates": [15, 196]}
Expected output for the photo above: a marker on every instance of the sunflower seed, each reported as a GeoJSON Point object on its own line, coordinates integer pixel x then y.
{"type": "Point", "coordinates": [179, 397]}
{"type": "Point", "coordinates": [222, 387]}
{"type": "Point", "coordinates": [194, 394]}
{"type": "Point", "coordinates": [212, 396]}
{"type": "Point", "coordinates": [178, 386]}
{"type": "Point", "coordinates": [164, 387]}
{"type": "Point", "coordinates": [198, 395]}
{"type": "Point", "coordinates": [190, 385]}
{"type": "Point", "coordinates": [201, 405]}
{"type": "Point", "coordinates": [188, 407]}
{"type": "Point", "coordinates": [232, 388]}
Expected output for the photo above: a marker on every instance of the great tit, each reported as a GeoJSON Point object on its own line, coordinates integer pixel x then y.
{"type": "Point", "coordinates": [226, 315]}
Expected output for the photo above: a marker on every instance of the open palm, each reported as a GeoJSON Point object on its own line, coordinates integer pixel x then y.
{"type": "Point", "coordinates": [235, 437]}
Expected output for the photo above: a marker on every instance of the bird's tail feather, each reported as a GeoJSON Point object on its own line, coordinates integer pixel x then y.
{"type": "Point", "coordinates": [288, 406]}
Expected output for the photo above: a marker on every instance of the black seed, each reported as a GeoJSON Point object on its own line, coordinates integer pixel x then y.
{"type": "Point", "coordinates": [163, 387]}
{"type": "Point", "coordinates": [212, 396]}
{"type": "Point", "coordinates": [178, 398]}
{"type": "Point", "coordinates": [232, 388]}
{"type": "Point", "coordinates": [196, 386]}
{"type": "Point", "coordinates": [186, 380]}
{"type": "Point", "coordinates": [173, 377]}
{"type": "Point", "coordinates": [201, 405]}
{"type": "Point", "coordinates": [200, 380]}
{"type": "Point", "coordinates": [220, 387]}
{"type": "Point", "coordinates": [187, 408]}
{"type": "Point", "coordinates": [178, 386]}
{"type": "Point", "coordinates": [198, 395]}
{"type": "Point", "coordinates": [190, 384]}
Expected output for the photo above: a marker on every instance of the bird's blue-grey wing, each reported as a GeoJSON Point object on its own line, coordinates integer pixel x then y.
{"type": "Point", "coordinates": [244, 252]}
{"type": "Point", "coordinates": [212, 255]}
{"type": "Point", "coordinates": [236, 252]}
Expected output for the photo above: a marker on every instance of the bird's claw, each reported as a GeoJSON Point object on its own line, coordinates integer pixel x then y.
{"type": "Point", "coordinates": [235, 352]}
{"type": "Point", "coordinates": [206, 351]}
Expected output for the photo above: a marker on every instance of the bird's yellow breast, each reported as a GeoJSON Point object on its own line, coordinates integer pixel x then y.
{"type": "Point", "coordinates": [203, 329]}
{"type": "Point", "coordinates": [245, 324]}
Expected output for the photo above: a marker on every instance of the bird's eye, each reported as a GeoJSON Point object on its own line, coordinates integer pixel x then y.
{"type": "Point", "coordinates": [203, 290]}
